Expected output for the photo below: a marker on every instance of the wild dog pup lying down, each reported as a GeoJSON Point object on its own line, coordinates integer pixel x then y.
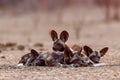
{"type": "Point", "coordinates": [95, 56]}
{"type": "Point", "coordinates": [59, 43]}
{"type": "Point", "coordinates": [30, 59]}
{"type": "Point", "coordinates": [76, 59]}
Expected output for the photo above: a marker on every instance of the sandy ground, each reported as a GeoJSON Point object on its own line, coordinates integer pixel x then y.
{"type": "Point", "coordinates": [97, 34]}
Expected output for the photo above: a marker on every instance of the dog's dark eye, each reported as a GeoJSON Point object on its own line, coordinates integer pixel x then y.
{"type": "Point", "coordinates": [99, 57]}
{"type": "Point", "coordinates": [53, 48]}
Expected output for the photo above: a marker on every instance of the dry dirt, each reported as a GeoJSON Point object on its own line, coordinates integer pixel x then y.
{"type": "Point", "coordinates": [97, 34]}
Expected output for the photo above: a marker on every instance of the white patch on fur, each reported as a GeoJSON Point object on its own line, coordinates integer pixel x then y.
{"type": "Point", "coordinates": [20, 65]}
{"type": "Point", "coordinates": [71, 49]}
{"type": "Point", "coordinates": [45, 55]}
{"type": "Point", "coordinates": [61, 65]}
{"type": "Point", "coordinates": [99, 64]}
{"type": "Point", "coordinates": [72, 65]}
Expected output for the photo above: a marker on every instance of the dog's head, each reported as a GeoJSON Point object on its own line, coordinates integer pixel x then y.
{"type": "Point", "coordinates": [40, 60]}
{"type": "Point", "coordinates": [59, 43]}
{"type": "Point", "coordinates": [27, 59]}
{"type": "Point", "coordinates": [95, 56]}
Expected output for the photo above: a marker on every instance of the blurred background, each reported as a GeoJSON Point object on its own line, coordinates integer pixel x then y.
{"type": "Point", "coordinates": [91, 22]}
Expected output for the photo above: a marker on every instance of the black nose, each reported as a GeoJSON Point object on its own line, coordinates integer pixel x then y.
{"type": "Point", "coordinates": [54, 48]}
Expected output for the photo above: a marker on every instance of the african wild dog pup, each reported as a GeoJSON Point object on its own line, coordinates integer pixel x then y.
{"type": "Point", "coordinates": [56, 58]}
{"type": "Point", "coordinates": [27, 59]}
{"type": "Point", "coordinates": [76, 59]}
{"type": "Point", "coordinates": [59, 43]}
{"type": "Point", "coordinates": [95, 55]}
{"type": "Point", "coordinates": [33, 59]}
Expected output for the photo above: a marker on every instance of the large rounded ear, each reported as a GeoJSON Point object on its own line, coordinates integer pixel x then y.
{"type": "Point", "coordinates": [67, 52]}
{"type": "Point", "coordinates": [54, 35]}
{"type": "Point", "coordinates": [34, 53]}
{"type": "Point", "coordinates": [87, 50]}
{"type": "Point", "coordinates": [64, 36]}
{"type": "Point", "coordinates": [103, 51]}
